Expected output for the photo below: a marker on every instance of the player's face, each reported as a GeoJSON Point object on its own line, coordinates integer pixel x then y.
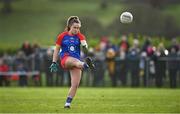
{"type": "Point", "coordinates": [74, 29]}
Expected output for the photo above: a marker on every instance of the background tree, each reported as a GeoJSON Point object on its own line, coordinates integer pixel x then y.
{"type": "Point", "coordinates": [7, 7]}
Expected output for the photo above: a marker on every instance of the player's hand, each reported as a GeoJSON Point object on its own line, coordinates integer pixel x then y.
{"type": "Point", "coordinates": [54, 67]}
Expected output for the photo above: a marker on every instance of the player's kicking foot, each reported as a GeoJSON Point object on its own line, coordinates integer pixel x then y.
{"type": "Point", "coordinates": [90, 63]}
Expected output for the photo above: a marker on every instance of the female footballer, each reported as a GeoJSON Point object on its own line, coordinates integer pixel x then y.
{"type": "Point", "coordinates": [69, 41]}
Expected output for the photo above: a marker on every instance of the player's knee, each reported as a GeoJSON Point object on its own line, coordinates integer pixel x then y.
{"type": "Point", "coordinates": [75, 86]}
{"type": "Point", "coordinates": [79, 65]}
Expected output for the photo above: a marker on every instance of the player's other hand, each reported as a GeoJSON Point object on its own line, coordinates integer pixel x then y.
{"type": "Point", "coordinates": [54, 67]}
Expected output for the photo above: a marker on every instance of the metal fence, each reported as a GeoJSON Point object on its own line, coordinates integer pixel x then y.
{"type": "Point", "coordinates": [139, 72]}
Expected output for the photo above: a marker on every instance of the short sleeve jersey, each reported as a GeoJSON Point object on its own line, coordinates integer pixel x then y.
{"type": "Point", "coordinates": [70, 44]}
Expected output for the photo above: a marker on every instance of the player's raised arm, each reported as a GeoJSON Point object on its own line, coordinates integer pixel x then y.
{"type": "Point", "coordinates": [84, 46]}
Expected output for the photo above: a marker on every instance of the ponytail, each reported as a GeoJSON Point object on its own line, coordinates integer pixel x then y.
{"type": "Point", "coordinates": [70, 21]}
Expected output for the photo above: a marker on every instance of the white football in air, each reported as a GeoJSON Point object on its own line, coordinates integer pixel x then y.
{"type": "Point", "coordinates": [126, 17]}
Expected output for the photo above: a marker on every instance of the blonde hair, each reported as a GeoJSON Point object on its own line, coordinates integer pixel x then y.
{"type": "Point", "coordinates": [70, 21]}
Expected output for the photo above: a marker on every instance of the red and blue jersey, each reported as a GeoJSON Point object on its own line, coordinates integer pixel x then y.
{"type": "Point", "coordinates": [70, 44]}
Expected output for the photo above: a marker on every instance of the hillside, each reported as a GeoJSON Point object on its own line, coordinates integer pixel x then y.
{"type": "Point", "coordinates": [39, 21]}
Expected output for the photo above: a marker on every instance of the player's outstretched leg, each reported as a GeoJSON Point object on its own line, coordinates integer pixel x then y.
{"type": "Point", "coordinates": [90, 63]}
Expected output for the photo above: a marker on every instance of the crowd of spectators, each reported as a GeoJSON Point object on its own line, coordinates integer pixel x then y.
{"type": "Point", "coordinates": [123, 64]}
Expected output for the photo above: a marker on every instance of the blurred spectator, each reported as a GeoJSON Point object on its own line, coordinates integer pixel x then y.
{"type": "Point", "coordinates": [100, 67]}
{"type": "Point", "coordinates": [103, 44]}
{"type": "Point", "coordinates": [143, 67]}
{"type": "Point", "coordinates": [175, 45]}
{"type": "Point", "coordinates": [47, 63]}
{"type": "Point", "coordinates": [173, 66]}
{"type": "Point", "coordinates": [90, 74]}
{"type": "Point", "coordinates": [8, 59]}
{"type": "Point", "coordinates": [110, 58]}
{"type": "Point", "coordinates": [21, 67]}
{"type": "Point", "coordinates": [4, 79]}
{"type": "Point", "coordinates": [121, 61]}
{"type": "Point", "coordinates": [36, 61]}
{"type": "Point", "coordinates": [160, 65]}
{"type": "Point", "coordinates": [23, 79]}
{"type": "Point", "coordinates": [133, 66]}
{"type": "Point", "coordinates": [149, 71]}
{"type": "Point", "coordinates": [124, 45]}
{"type": "Point", "coordinates": [26, 48]}
{"type": "Point", "coordinates": [147, 47]}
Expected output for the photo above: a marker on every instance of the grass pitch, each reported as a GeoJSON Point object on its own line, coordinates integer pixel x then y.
{"type": "Point", "coordinates": [90, 100]}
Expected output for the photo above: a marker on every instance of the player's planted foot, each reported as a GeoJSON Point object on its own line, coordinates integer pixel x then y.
{"type": "Point", "coordinates": [67, 107]}
{"type": "Point", "coordinates": [68, 102]}
{"type": "Point", "coordinates": [90, 63]}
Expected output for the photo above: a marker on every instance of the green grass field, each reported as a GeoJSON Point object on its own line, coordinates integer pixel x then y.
{"type": "Point", "coordinates": [90, 100]}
